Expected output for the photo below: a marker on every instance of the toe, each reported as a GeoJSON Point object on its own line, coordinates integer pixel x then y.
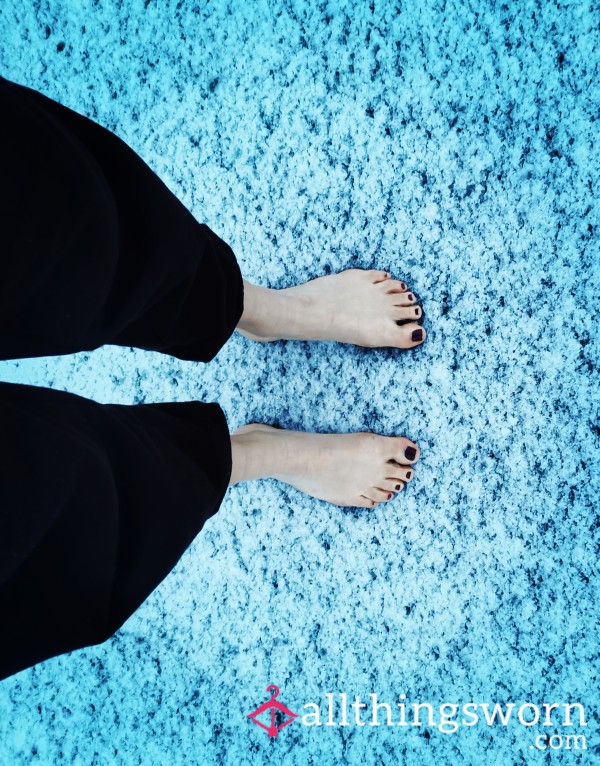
{"type": "Point", "coordinates": [381, 495]}
{"type": "Point", "coordinates": [405, 452]}
{"type": "Point", "coordinates": [403, 314]}
{"type": "Point", "coordinates": [402, 453]}
{"type": "Point", "coordinates": [397, 474]}
{"type": "Point", "coordinates": [402, 297]}
{"type": "Point", "coordinates": [410, 335]}
{"type": "Point", "coordinates": [408, 473]}
{"type": "Point", "coordinates": [392, 483]}
{"type": "Point", "coordinates": [379, 276]}
{"type": "Point", "coordinates": [365, 502]}
{"type": "Point", "coordinates": [395, 287]}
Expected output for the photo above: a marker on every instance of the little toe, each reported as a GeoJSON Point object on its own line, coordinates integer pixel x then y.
{"type": "Point", "coordinates": [366, 502]}
{"type": "Point", "coordinates": [379, 276]}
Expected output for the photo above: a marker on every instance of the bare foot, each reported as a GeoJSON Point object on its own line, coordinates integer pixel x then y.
{"type": "Point", "coordinates": [354, 306]}
{"type": "Point", "coordinates": [360, 469]}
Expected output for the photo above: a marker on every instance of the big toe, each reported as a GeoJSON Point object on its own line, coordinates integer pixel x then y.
{"type": "Point", "coordinates": [405, 451]}
{"type": "Point", "coordinates": [410, 335]}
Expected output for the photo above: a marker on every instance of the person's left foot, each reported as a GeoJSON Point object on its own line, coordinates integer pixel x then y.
{"type": "Point", "coordinates": [353, 306]}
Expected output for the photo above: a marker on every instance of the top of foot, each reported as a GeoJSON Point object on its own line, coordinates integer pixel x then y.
{"type": "Point", "coordinates": [358, 469]}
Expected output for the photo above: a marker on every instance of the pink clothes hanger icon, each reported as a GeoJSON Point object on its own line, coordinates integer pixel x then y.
{"type": "Point", "coordinates": [272, 705]}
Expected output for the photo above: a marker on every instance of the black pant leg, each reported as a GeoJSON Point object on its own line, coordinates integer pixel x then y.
{"type": "Point", "coordinates": [96, 249]}
{"type": "Point", "coordinates": [97, 504]}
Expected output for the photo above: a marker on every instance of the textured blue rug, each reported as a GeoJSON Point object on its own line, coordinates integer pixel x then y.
{"type": "Point", "coordinates": [454, 144]}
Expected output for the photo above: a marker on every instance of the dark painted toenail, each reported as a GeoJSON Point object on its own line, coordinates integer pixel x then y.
{"type": "Point", "coordinates": [389, 495]}
{"type": "Point", "coordinates": [411, 297]}
{"type": "Point", "coordinates": [417, 335]}
{"type": "Point", "coordinates": [403, 285]}
{"type": "Point", "coordinates": [398, 486]}
{"type": "Point", "coordinates": [417, 311]}
{"type": "Point", "coordinates": [410, 453]}
{"type": "Point", "coordinates": [408, 474]}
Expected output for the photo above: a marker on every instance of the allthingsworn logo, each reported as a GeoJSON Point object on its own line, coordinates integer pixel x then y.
{"type": "Point", "coordinates": [278, 713]}
{"type": "Point", "coordinates": [447, 717]}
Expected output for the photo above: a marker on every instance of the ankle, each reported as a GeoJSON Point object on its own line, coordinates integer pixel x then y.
{"type": "Point", "coordinates": [254, 455]}
{"type": "Point", "coordinates": [267, 454]}
{"type": "Point", "coordinates": [283, 314]}
{"type": "Point", "coordinates": [258, 309]}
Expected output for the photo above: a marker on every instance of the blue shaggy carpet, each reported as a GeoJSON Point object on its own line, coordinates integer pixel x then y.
{"type": "Point", "coordinates": [454, 144]}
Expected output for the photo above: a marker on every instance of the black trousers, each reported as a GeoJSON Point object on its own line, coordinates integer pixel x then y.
{"type": "Point", "coordinates": [98, 501]}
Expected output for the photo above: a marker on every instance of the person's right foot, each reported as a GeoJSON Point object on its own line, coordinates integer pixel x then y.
{"type": "Point", "coordinates": [359, 469]}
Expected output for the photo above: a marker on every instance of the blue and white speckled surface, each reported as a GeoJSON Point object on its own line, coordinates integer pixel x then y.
{"type": "Point", "coordinates": [453, 144]}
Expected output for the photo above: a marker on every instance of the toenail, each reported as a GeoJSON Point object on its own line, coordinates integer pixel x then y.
{"type": "Point", "coordinates": [398, 486]}
{"type": "Point", "coordinates": [410, 297]}
{"type": "Point", "coordinates": [417, 311]}
{"type": "Point", "coordinates": [408, 474]}
{"type": "Point", "coordinates": [403, 285]}
{"type": "Point", "coordinates": [417, 335]}
{"type": "Point", "coordinates": [410, 453]}
{"type": "Point", "coordinates": [389, 495]}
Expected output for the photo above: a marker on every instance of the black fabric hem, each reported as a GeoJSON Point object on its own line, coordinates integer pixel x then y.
{"type": "Point", "coordinates": [115, 498]}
